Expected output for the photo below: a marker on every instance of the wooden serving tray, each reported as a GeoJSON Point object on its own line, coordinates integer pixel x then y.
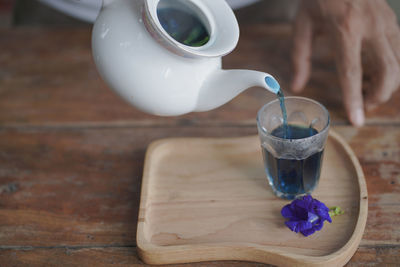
{"type": "Point", "coordinates": [206, 199]}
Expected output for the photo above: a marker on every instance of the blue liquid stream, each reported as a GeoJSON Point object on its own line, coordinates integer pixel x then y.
{"type": "Point", "coordinates": [273, 84]}
{"type": "Point", "coordinates": [281, 98]}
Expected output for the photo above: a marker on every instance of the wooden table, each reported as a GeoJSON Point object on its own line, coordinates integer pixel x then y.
{"type": "Point", "coordinates": [71, 151]}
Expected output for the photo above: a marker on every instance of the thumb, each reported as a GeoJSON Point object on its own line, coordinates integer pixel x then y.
{"type": "Point", "coordinates": [301, 54]}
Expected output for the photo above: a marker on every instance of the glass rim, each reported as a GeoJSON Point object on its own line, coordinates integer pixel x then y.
{"type": "Point", "coordinates": [325, 110]}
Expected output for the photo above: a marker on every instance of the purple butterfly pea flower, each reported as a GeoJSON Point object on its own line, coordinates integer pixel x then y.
{"type": "Point", "coordinates": [306, 215]}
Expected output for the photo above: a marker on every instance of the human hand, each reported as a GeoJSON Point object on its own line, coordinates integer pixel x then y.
{"type": "Point", "coordinates": [353, 26]}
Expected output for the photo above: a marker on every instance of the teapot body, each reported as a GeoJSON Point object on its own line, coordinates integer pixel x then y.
{"type": "Point", "coordinates": [140, 69]}
{"type": "Point", "coordinates": [138, 53]}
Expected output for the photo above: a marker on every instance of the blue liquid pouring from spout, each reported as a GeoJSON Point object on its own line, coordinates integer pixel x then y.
{"type": "Point", "coordinates": [272, 83]}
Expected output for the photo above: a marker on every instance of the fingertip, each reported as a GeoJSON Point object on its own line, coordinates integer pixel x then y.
{"type": "Point", "coordinates": [295, 87]}
{"type": "Point", "coordinates": [300, 78]}
{"type": "Point", "coordinates": [357, 117]}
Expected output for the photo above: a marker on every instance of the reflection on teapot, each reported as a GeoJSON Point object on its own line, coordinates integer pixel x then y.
{"type": "Point", "coordinates": [164, 56]}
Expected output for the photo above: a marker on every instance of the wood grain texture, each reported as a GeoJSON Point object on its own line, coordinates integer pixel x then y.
{"type": "Point", "coordinates": [34, 159]}
{"type": "Point", "coordinates": [378, 150]}
{"type": "Point", "coordinates": [80, 186]}
{"type": "Point", "coordinates": [76, 186]}
{"type": "Point", "coordinates": [127, 256]}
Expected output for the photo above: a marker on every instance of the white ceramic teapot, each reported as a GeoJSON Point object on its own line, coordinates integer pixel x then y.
{"type": "Point", "coordinates": [165, 65]}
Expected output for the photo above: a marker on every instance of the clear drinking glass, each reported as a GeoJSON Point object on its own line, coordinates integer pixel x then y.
{"type": "Point", "coordinates": [293, 164]}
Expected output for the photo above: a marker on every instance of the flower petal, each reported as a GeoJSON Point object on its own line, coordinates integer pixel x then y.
{"type": "Point", "coordinates": [324, 215]}
{"type": "Point", "coordinates": [292, 225]}
{"type": "Point", "coordinates": [287, 212]}
{"type": "Point", "coordinates": [307, 199]}
{"type": "Point", "coordinates": [295, 204]}
{"type": "Point", "coordinates": [312, 218]}
{"type": "Point", "coordinates": [308, 232]}
{"type": "Point", "coordinates": [306, 215]}
{"type": "Point", "coordinates": [304, 225]}
{"type": "Point", "coordinates": [301, 213]}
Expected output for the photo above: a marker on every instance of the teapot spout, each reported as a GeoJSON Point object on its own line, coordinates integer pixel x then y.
{"type": "Point", "coordinates": [224, 85]}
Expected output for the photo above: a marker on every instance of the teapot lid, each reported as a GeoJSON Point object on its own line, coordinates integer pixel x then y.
{"type": "Point", "coordinates": [216, 25]}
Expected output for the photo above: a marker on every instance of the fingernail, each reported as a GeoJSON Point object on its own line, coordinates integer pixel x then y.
{"type": "Point", "coordinates": [357, 117]}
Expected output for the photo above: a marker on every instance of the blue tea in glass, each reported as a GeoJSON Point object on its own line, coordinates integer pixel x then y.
{"type": "Point", "coordinates": [293, 176]}
{"type": "Point", "coordinates": [293, 152]}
